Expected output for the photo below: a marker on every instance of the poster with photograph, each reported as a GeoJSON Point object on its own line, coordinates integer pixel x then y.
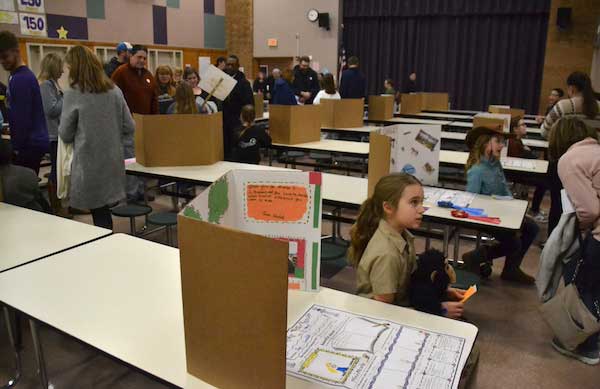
{"type": "Point", "coordinates": [416, 150]}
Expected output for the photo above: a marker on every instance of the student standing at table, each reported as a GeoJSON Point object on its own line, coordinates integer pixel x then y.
{"type": "Point", "coordinates": [353, 84]}
{"type": "Point", "coordinates": [260, 84]}
{"type": "Point", "coordinates": [185, 101]}
{"type": "Point", "coordinates": [327, 89]}
{"type": "Point", "coordinates": [192, 78]}
{"type": "Point", "coordinates": [485, 176]}
{"type": "Point", "coordinates": [411, 83]}
{"type": "Point", "coordinates": [382, 249]}
{"type": "Point", "coordinates": [275, 75]}
{"type": "Point", "coordinates": [582, 103]}
{"type": "Point", "coordinates": [306, 81]}
{"type": "Point", "coordinates": [388, 87]}
{"type": "Point", "coordinates": [177, 76]}
{"type": "Point", "coordinates": [517, 149]}
{"type": "Point", "coordinates": [250, 138]}
{"type": "Point", "coordinates": [28, 132]}
{"type": "Point", "coordinates": [579, 170]}
{"type": "Point", "coordinates": [97, 121]}
{"type": "Point", "coordinates": [283, 92]}
{"type": "Point", "coordinates": [166, 87]}
{"type": "Point", "coordinates": [52, 99]}
{"type": "Point", "coordinates": [555, 95]}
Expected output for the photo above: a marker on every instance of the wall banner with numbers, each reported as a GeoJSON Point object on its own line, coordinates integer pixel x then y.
{"type": "Point", "coordinates": [36, 6]}
{"type": "Point", "coordinates": [7, 5]}
{"type": "Point", "coordinates": [33, 24]}
{"type": "Point", "coordinates": [9, 17]}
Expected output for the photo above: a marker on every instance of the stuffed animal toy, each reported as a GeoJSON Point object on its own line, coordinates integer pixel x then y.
{"type": "Point", "coordinates": [429, 283]}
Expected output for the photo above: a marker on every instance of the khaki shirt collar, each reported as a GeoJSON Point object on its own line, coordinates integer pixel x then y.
{"type": "Point", "coordinates": [399, 240]}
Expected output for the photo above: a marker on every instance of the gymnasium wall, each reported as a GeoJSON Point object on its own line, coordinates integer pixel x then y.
{"type": "Point", "coordinates": [284, 19]}
{"type": "Point", "coordinates": [567, 51]}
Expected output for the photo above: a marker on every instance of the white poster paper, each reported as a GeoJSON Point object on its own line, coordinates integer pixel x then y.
{"type": "Point", "coordinates": [281, 205]}
{"type": "Point", "coordinates": [36, 6]}
{"type": "Point", "coordinates": [339, 349]}
{"type": "Point", "coordinates": [416, 150]}
{"type": "Point", "coordinates": [33, 24]}
{"type": "Point", "coordinates": [203, 63]}
{"type": "Point", "coordinates": [216, 81]}
{"type": "Point", "coordinates": [7, 5]}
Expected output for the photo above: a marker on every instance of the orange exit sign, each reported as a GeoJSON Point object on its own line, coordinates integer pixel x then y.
{"type": "Point", "coordinates": [272, 42]}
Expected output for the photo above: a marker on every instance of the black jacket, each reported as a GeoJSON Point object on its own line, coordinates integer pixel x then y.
{"type": "Point", "coordinates": [352, 84]}
{"type": "Point", "coordinates": [232, 108]}
{"type": "Point", "coordinates": [306, 82]}
{"type": "Point", "coordinates": [259, 86]}
{"type": "Point", "coordinates": [111, 66]}
{"type": "Point", "coordinates": [248, 144]}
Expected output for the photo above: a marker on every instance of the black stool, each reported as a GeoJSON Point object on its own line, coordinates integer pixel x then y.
{"type": "Point", "coordinates": [164, 219]}
{"type": "Point", "coordinates": [131, 211]}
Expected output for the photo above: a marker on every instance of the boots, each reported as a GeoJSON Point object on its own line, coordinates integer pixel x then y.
{"type": "Point", "coordinates": [55, 202]}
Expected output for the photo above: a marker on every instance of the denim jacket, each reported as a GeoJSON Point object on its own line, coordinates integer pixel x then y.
{"type": "Point", "coordinates": [487, 178]}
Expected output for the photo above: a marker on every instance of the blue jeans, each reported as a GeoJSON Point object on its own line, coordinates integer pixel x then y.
{"type": "Point", "coordinates": [588, 283]}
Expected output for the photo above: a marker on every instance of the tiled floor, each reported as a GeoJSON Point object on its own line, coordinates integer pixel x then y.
{"type": "Point", "coordinates": [514, 341]}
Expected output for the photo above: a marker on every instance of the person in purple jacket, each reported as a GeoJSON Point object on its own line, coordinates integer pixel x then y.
{"type": "Point", "coordinates": [28, 131]}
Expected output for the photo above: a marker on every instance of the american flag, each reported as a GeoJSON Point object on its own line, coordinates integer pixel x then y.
{"type": "Point", "coordinates": [341, 63]}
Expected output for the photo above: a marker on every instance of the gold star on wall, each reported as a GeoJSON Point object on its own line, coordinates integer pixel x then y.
{"type": "Point", "coordinates": [62, 33]}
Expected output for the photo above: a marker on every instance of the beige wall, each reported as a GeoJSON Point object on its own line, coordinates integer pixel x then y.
{"type": "Point", "coordinates": [282, 19]}
{"type": "Point", "coordinates": [568, 51]}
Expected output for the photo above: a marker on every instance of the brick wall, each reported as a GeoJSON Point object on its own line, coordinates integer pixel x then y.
{"type": "Point", "coordinates": [239, 32]}
{"type": "Point", "coordinates": [568, 51]}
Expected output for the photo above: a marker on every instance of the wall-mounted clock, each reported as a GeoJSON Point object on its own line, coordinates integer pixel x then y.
{"type": "Point", "coordinates": [313, 15]}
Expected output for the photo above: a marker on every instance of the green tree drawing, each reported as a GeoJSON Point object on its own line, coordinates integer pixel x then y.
{"type": "Point", "coordinates": [218, 200]}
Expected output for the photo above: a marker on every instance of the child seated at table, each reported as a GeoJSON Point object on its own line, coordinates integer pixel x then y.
{"type": "Point", "coordinates": [19, 185]}
{"type": "Point", "coordinates": [185, 101]}
{"type": "Point", "coordinates": [250, 138]}
{"type": "Point", "coordinates": [517, 149]}
{"type": "Point", "coordinates": [486, 176]}
{"type": "Point", "coordinates": [382, 249]}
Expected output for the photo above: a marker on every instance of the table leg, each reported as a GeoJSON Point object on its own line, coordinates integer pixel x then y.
{"type": "Point", "coordinates": [456, 244]}
{"type": "Point", "coordinates": [270, 152]}
{"type": "Point", "coordinates": [446, 238]}
{"type": "Point", "coordinates": [39, 354]}
{"type": "Point", "coordinates": [12, 381]}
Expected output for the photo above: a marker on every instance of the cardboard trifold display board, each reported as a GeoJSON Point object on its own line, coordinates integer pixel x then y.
{"type": "Point", "coordinates": [245, 241]}
{"type": "Point", "coordinates": [505, 109]}
{"type": "Point", "coordinates": [411, 103]}
{"type": "Point", "coordinates": [381, 107]}
{"type": "Point", "coordinates": [259, 105]}
{"type": "Point", "coordinates": [435, 102]}
{"type": "Point", "coordinates": [344, 113]}
{"type": "Point", "coordinates": [293, 124]}
{"type": "Point", "coordinates": [178, 140]}
{"type": "Point", "coordinates": [493, 121]}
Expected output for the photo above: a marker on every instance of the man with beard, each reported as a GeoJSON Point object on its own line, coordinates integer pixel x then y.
{"type": "Point", "coordinates": [240, 96]}
{"type": "Point", "coordinates": [306, 81]}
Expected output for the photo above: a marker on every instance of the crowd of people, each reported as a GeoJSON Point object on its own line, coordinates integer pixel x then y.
{"type": "Point", "coordinates": [95, 115]}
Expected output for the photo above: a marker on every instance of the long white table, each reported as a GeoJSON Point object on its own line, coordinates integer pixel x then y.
{"type": "Point", "coordinates": [122, 295]}
{"type": "Point", "coordinates": [511, 212]}
{"type": "Point", "coordinates": [27, 235]}
{"type": "Point", "coordinates": [408, 120]}
{"type": "Point", "coordinates": [357, 149]}
{"type": "Point", "coordinates": [468, 125]}
{"type": "Point", "coordinates": [533, 143]}
{"type": "Point", "coordinates": [510, 165]}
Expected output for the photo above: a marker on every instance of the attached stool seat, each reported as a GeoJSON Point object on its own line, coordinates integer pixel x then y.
{"type": "Point", "coordinates": [164, 219]}
{"type": "Point", "coordinates": [131, 211]}
{"type": "Point", "coordinates": [290, 157]}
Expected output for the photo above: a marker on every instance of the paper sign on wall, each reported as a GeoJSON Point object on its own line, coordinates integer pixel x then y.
{"type": "Point", "coordinates": [7, 5]}
{"type": "Point", "coordinates": [281, 205]}
{"type": "Point", "coordinates": [9, 17]}
{"type": "Point", "coordinates": [31, 6]}
{"type": "Point", "coordinates": [203, 63]}
{"type": "Point", "coordinates": [33, 24]}
{"type": "Point", "coordinates": [214, 80]}
{"type": "Point", "coordinates": [415, 149]}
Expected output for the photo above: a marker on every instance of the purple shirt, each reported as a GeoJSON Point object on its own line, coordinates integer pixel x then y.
{"type": "Point", "coordinates": [25, 112]}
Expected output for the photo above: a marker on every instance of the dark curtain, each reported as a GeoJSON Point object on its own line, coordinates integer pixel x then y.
{"type": "Point", "coordinates": [481, 52]}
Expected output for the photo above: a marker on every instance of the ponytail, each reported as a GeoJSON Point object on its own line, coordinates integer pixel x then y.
{"type": "Point", "coordinates": [582, 82]}
{"type": "Point", "coordinates": [389, 190]}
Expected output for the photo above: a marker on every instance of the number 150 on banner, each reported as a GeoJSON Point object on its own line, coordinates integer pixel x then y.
{"type": "Point", "coordinates": [33, 24]}
{"type": "Point", "coordinates": [31, 6]}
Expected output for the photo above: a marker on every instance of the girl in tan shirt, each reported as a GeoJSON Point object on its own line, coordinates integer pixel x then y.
{"type": "Point", "coordinates": [382, 249]}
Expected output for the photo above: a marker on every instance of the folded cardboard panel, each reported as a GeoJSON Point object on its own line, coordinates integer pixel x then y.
{"type": "Point", "coordinates": [486, 120]}
{"type": "Point", "coordinates": [344, 113]}
{"type": "Point", "coordinates": [293, 124]}
{"type": "Point", "coordinates": [499, 109]}
{"type": "Point", "coordinates": [435, 102]}
{"type": "Point", "coordinates": [234, 290]}
{"type": "Point", "coordinates": [380, 149]}
{"type": "Point", "coordinates": [381, 107]}
{"type": "Point", "coordinates": [411, 103]}
{"type": "Point", "coordinates": [259, 105]}
{"type": "Point", "coordinates": [178, 140]}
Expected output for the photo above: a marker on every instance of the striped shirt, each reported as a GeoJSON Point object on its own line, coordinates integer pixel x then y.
{"type": "Point", "coordinates": [566, 107]}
